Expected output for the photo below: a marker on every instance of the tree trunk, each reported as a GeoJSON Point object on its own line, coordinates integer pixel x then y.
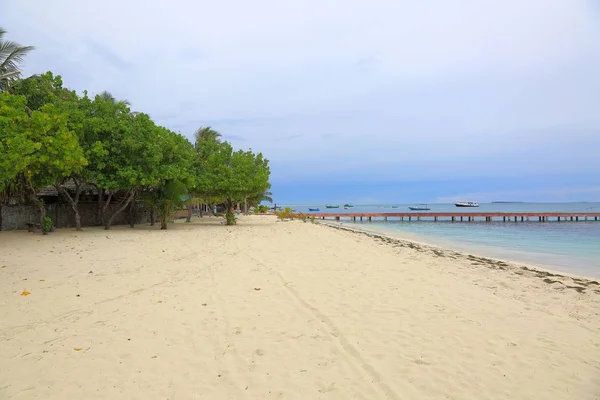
{"type": "Point", "coordinates": [210, 209]}
{"type": "Point", "coordinates": [105, 205]}
{"type": "Point", "coordinates": [151, 217]}
{"type": "Point", "coordinates": [99, 216]}
{"type": "Point", "coordinates": [37, 201]}
{"type": "Point", "coordinates": [132, 214]}
{"type": "Point", "coordinates": [189, 215]}
{"type": "Point", "coordinates": [165, 213]}
{"type": "Point", "coordinates": [125, 203]}
{"type": "Point", "coordinates": [73, 201]}
{"type": "Point", "coordinates": [77, 220]}
{"type": "Point", "coordinates": [42, 209]}
{"type": "Point", "coordinates": [229, 215]}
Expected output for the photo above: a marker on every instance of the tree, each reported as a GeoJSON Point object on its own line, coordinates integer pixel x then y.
{"type": "Point", "coordinates": [38, 149]}
{"type": "Point", "coordinates": [106, 95]}
{"type": "Point", "coordinates": [231, 175]}
{"type": "Point", "coordinates": [128, 158]}
{"type": "Point", "coordinates": [165, 199]}
{"type": "Point", "coordinates": [206, 135]}
{"type": "Point", "coordinates": [176, 175]}
{"type": "Point", "coordinates": [11, 57]}
{"type": "Point", "coordinates": [41, 90]}
{"type": "Point", "coordinates": [256, 199]}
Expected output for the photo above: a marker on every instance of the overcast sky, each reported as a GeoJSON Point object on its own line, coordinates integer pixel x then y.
{"type": "Point", "coordinates": [390, 100]}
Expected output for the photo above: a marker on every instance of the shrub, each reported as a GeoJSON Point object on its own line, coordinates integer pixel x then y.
{"type": "Point", "coordinates": [47, 225]}
{"type": "Point", "coordinates": [261, 209]}
{"type": "Point", "coordinates": [230, 219]}
{"type": "Point", "coordinates": [284, 214]}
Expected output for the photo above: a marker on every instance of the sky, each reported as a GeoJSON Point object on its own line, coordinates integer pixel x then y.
{"type": "Point", "coordinates": [352, 101]}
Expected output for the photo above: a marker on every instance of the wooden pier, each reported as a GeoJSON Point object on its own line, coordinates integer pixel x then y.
{"type": "Point", "coordinates": [466, 216]}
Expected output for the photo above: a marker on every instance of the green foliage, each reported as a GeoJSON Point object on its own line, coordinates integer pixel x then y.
{"type": "Point", "coordinates": [257, 198]}
{"type": "Point", "coordinates": [312, 219]}
{"type": "Point", "coordinates": [284, 214]}
{"type": "Point", "coordinates": [165, 199]}
{"type": "Point", "coordinates": [230, 219]}
{"type": "Point", "coordinates": [261, 209]}
{"type": "Point", "coordinates": [40, 90]}
{"type": "Point", "coordinates": [39, 146]}
{"type": "Point", "coordinates": [47, 225]}
{"type": "Point", "coordinates": [206, 134]}
{"type": "Point", "coordinates": [229, 175]}
{"type": "Point", "coordinates": [51, 136]}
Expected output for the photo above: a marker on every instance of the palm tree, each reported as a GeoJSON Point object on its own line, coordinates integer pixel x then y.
{"type": "Point", "coordinates": [255, 200]}
{"type": "Point", "coordinates": [166, 199]}
{"type": "Point", "coordinates": [106, 95]}
{"type": "Point", "coordinates": [11, 56]}
{"type": "Point", "coordinates": [206, 134]}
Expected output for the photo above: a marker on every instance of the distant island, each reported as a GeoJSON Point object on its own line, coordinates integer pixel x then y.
{"type": "Point", "coordinates": [507, 202]}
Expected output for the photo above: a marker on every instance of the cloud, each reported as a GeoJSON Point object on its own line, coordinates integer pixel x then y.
{"type": "Point", "coordinates": [107, 55]}
{"type": "Point", "coordinates": [391, 91]}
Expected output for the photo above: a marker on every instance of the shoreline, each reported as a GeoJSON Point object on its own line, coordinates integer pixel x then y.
{"type": "Point", "coordinates": [517, 267]}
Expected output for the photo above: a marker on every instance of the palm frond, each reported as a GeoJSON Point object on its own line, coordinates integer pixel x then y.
{"type": "Point", "coordinates": [11, 53]}
{"type": "Point", "coordinates": [205, 133]}
{"type": "Point", "coordinates": [106, 95]}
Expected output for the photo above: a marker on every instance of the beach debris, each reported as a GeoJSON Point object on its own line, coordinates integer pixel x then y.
{"type": "Point", "coordinates": [91, 272]}
{"type": "Point", "coordinates": [4, 266]}
{"type": "Point", "coordinates": [257, 289]}
{"type": "Point", "coordinates": [25, 293]}
{"type": "Point", "coordinates": [160, 301]}
{"type": "Point", "coordinates": [42, 280]}
{"type": "Point", "coordinates": [204, 304]}
{"type": "Point", "coordinates": [77, 348]}
{"type": "Point", "coordinates": [78, 296]}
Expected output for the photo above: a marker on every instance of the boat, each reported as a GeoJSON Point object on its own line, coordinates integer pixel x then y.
{"type": "Point", "coordinates": [347, 206]}
{"type": "Point", "coordinates": [313, 209]}
{"type": "Point", "coordinates": [466, 204]}
{"type": "Point", "coordinates": [419, 207]}
{"type": "Point", "coordinates": [332, 206]}
{"type": "Point", "coordinates": [394, 206]}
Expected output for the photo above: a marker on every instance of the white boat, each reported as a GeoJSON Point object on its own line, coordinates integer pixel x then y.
{"type": "Point", "coordinates": [466, 204]}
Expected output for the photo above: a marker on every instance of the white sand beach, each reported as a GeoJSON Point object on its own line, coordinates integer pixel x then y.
{"type": "Point", "coordinates": [284, 310]}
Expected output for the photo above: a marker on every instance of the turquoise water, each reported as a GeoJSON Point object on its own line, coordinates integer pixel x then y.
{"type": "Point", "coordinates": [572, 247]}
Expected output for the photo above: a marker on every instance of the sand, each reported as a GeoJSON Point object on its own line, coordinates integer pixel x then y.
{"type": "Point", "coordinates": [284, 310]}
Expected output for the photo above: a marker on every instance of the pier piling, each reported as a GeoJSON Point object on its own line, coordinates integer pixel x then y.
{"type": "Point", "coordinates": [470, 217]}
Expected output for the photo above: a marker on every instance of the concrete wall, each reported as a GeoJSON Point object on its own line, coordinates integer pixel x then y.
{"type": "Point", "coordinates": [15, 217]}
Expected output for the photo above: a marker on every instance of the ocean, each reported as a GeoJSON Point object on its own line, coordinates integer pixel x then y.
{"type": "Point", "coordinates": [571, 247]}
